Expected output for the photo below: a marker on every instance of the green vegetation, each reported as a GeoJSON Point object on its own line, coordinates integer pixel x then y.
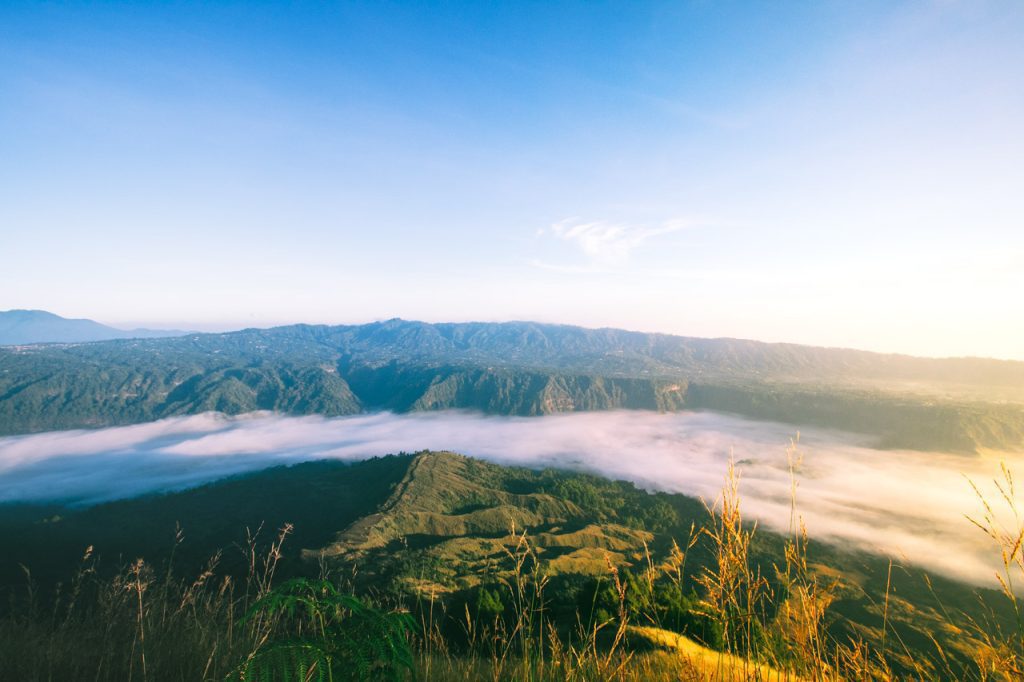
{"type": "Point", "coordinates": [320, 634]}
{"type": "Point", "coordinates": [513, 368]}
{"type": "Point", "coordinates": [315, 499]}
{"type": "Point", "coordinates": [445, 567]}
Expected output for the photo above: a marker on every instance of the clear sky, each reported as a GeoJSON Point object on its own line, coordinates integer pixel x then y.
{"type": "Point", "coordinates": [835, 173]}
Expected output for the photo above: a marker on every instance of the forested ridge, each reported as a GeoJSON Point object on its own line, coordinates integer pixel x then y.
{"type": "Point", "coordinates": [510, 368]}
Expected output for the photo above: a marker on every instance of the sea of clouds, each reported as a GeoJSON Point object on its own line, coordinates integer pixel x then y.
{"type": "Point", "coordinates": [908, 504]}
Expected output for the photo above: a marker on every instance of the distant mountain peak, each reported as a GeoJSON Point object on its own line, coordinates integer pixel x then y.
{"type": "Point", "coordinates": [24, 326]}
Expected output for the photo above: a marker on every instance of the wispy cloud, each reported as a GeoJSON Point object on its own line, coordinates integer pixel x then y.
{"type": "Point", "coordinates": [608, 243]}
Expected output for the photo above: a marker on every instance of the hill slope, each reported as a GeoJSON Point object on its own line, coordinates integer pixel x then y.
{"type": "Point", "coordinates": [459, 514]}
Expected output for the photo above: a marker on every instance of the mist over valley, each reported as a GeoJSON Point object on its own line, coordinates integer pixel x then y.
{"type": "Point", "coordinates": [910, 505]}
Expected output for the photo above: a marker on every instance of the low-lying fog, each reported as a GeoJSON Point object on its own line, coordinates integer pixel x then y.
{"type": "Point", "coordinates": [909, 504]}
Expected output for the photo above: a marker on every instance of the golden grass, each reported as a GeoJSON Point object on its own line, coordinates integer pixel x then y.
{"type": "Point", "coordinates": [707, 664]}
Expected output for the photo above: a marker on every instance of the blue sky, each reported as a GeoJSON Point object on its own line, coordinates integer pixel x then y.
{"type": "Point", "coordinates": [835, 173]}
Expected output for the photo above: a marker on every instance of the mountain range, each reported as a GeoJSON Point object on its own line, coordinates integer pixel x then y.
{"type": "Point", "coordinates": [514, 368]}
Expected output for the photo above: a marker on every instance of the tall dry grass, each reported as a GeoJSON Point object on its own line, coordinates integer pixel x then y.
{"type": "Point", "coordinates": [1001, 655]}
{"type": "Point", "coordinates": [139, 625]}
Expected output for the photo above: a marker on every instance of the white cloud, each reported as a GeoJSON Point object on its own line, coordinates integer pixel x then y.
{"type": "Point", "coordinates": [609, 243]}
